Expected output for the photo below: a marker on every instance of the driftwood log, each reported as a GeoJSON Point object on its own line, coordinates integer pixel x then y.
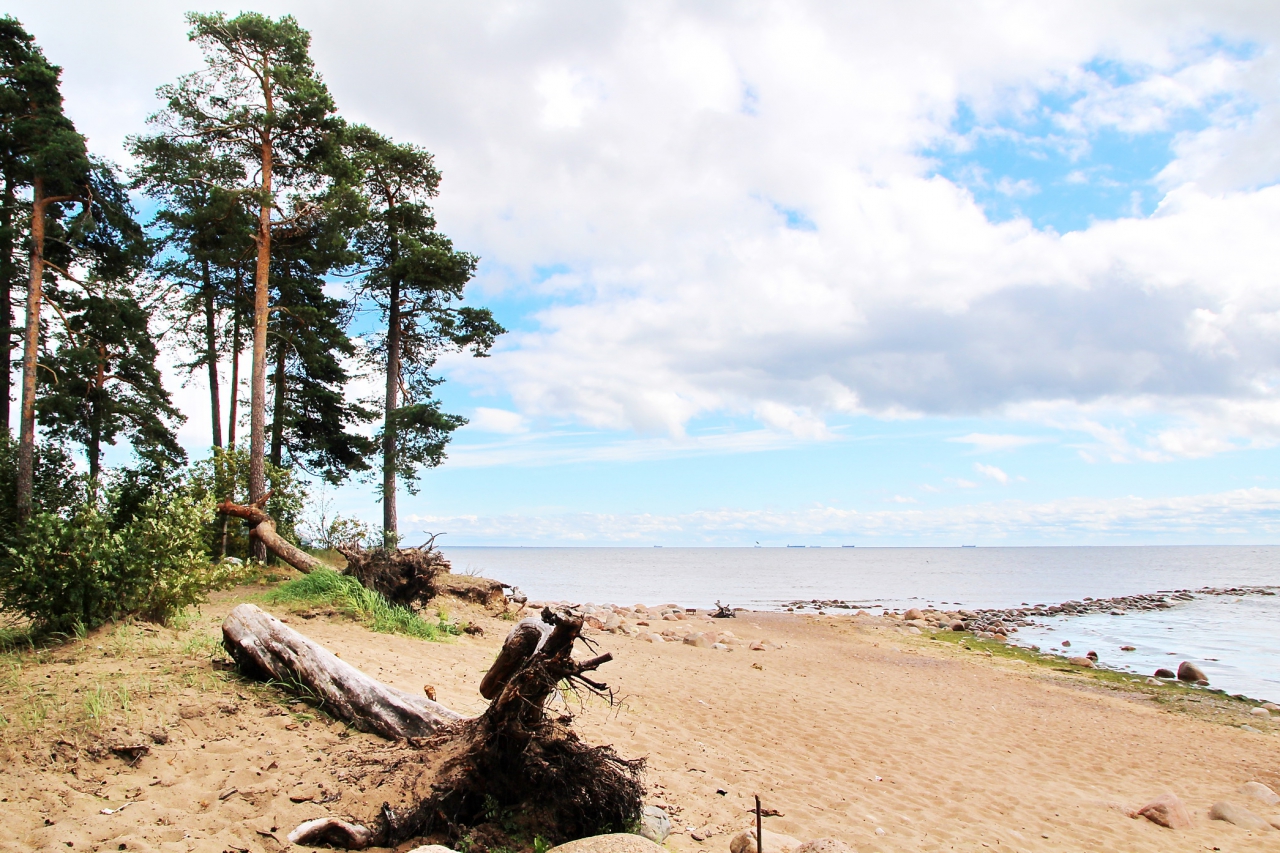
{"type": "Point", "coordinates": [266, 648]}
{"type": "Point", "coordinates": [264, 530]}
{"type": "Point", "coordinates": [514, 755]}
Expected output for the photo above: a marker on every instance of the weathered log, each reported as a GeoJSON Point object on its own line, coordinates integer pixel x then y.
{"type": "Point", "coordinates": [265, 646]}
{"type": "Point", "coordinates": [264, 529]}
{"type": "Point", "coordinates": [523, 640]}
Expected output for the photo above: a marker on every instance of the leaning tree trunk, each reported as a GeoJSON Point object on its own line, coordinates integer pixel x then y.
{"type": "Point", "coordinates": [514, 754]}
{"type": "Point", "coordinates": [264, 530]}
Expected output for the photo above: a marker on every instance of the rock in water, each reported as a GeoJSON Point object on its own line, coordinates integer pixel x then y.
{"type": "Point", "coordinates": [654, 824]}
{"type": "Point", "coordinates": [1165, 673]}
{"type": "Point", "coordinates": [745, 842]}
{"type": "Point", "coordinates": [619, 842]}
{"type": "Point", "coordinates": [1187, 671]}
{"type": "Point", "coordinates": [1239, 816]}
{"type": "Point", "coordinates": [1166, 810]}
{"type": "Point", "coordinates": [1259, 792]}
{"type": "Point", "coordinates": [824, 845]}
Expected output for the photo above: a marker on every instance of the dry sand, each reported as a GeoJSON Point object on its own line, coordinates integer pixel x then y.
{"type": "Point", "coordinates": [887, 741]}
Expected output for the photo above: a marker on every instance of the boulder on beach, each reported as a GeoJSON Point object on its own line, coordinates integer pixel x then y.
{"type": "Point", "coordinates": [1165, 673]}
{"type": "Point", "coordinates": [1187, 671]}
{"type": "Point", "coordinates": [618, 842]}
{"type": "Point", "coordinates": [772, 842]}
{"type": "Point", "coordinates": [654, 824]}
{"type": "Point", "coordinates": [698, 640]}
{"type": "Point", "coordinates": [1260, 792]}
{"type": "Point", "coordinates": [1085, 662]}
{"type": "Point", "coordinates": [913, 613]}
{"type": "Point", "coordinates": [1166, 810]}
{"type": "Point", "coordinates": [1239, 816]}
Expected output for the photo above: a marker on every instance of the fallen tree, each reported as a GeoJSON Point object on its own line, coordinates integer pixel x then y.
{"type": "Point", "coordinates": [263, 527]}
{"type": "Point", "coordinates": [461, 773]}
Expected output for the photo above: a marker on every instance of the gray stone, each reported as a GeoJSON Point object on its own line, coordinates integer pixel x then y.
{"type": "Point", "coordinates": [1187, 671]}
{"type": "Point", "coordinates": [654, 824]}
{"type": "Point", "coordinates": [618, 842]}
{"type": "Point", "coordinates": [1239, 816]}
{"type": "Point", "coordinates": [1259, 792]}
{"type": "Point", "coordinates": [773, 842]}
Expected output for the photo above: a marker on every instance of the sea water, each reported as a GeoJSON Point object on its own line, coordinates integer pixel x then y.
{"type": "Point", "coordinates": [1236, 640]}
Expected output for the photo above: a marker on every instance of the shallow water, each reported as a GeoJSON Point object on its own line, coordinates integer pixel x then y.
{"type": "Point", "coordinates": [1243, 634]}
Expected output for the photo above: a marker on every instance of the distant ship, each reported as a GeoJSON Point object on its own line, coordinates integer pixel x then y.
{"type": "Point", "coordinates": [968, 546]}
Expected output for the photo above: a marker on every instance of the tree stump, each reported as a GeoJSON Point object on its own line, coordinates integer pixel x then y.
{"type": "Point", "coordinates": [514, 757]}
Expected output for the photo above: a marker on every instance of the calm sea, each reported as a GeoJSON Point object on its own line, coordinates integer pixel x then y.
{"type": "Point", "coordinates": [1235, 640]}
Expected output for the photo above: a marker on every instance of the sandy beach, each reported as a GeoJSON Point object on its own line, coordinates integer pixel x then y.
{"type": "Point", "coordinates": [847, 726]}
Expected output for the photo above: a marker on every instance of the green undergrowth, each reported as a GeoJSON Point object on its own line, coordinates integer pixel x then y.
{"type": "Point", "coordinates": [327, 588]}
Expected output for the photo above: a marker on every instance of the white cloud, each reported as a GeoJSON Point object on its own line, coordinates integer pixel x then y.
{"type": "Point", "coordinates": [993, 472]}
{"type": "Point", "coordinates": [1195, 518]}
{"type": "Point", "coordinates": [484, 419]}
{"type": "Point", "coordinates": [961, 483]}
{"type": "Point", "coordinates": [988, 443]}
{"type": "Point", "coordinates": [648, 147]}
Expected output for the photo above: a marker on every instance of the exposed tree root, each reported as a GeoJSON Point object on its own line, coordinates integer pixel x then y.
{"type": "Point", "coordinates": [405, 576]}
{"type": "Point", "coordinates": [514, 771]}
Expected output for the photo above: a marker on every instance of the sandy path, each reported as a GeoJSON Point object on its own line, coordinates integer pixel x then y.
{"type": "Point", "coordinates": [847, 730]}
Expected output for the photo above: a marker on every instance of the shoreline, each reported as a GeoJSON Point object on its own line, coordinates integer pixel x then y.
{"type": "Point", "coordinates": [852, 727]}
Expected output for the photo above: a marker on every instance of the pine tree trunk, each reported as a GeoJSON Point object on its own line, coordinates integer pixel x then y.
{"type": "Point", "coordinates": [8, 272]}
{"type": "Point", "coordinates": [261, 312]}
{"type": "Point", "coordinates": [30, 352]}
{"type": "Point", "coordinates": [390, 532]}
{"type": "Point", "coordinates": [277, 415]}
{"type": "Point", "coordinates": [211, 354]}
{"type": "Point", "coordinates": [234, 401]}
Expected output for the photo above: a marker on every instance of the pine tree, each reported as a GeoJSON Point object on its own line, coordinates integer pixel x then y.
{"type": "Point", "coordinates": [43, 154]}
{"type": "Point", "coordinates": [416, 278]}
{"type": "Point", "coordinates": [313, 426]}
{"type": "Point", "coordinates": [259, 101]}
{"type": "Point", "coordinates": [204, 236]}
{"type": "Point", "coordinates": [102, 381]}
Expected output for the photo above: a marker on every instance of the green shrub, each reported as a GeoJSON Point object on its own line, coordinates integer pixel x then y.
{"type": "Point", "coordinates": [324, 587]}
{"type": "Point", "coordinates": [78, 570]}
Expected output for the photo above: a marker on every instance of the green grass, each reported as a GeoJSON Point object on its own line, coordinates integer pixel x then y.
{"type": "Point", "coordinates": [327, 588]}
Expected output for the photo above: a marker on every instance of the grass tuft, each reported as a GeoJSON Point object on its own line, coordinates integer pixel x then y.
{"type": "Point", "coordinates": [327, 588]}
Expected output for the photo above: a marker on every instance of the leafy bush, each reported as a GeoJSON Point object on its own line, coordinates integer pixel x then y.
{"type": "Point", "coordinates": [324, 587]}
{"type": "Point", "coordinates": [81, 569]}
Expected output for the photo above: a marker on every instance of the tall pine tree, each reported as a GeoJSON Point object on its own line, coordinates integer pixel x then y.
{"type": "Point", "coordinates": [260, 101]}
{"type": "Point", "coordinates": [45, 156]}
{"type": "Point", "coordinates": [204, 232]}
{"type": "Point", "coordinates": [417, 279]}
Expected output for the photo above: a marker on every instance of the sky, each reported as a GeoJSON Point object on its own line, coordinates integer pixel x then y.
{"type": "Point", "coordinates": [822, 273]}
